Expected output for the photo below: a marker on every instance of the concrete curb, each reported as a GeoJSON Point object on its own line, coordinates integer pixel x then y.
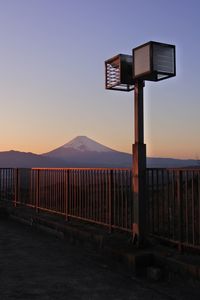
{"type": "Point", "coordinates": [178, 267]}
{"type": "Point", "coordinates": [135, 259]}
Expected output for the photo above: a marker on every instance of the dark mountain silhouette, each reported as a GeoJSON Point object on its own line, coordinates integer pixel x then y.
{"type": "Point", "coordinates": [83, 152]}
{"type": "Point", "coordinates": [17, 159]}
{"type": "Point", "coordinates": [160, 162]}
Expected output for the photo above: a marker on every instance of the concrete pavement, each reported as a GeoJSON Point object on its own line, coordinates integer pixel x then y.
{"type": "Point", "coordinates": [37, 265]}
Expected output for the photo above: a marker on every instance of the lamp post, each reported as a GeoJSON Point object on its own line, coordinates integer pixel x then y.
{"type": "Point", "coordinates": [152, 61]}
{"type": "Point", "coordinates": [139, 167]}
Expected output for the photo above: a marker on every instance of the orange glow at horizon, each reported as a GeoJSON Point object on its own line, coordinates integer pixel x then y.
{"type": "Point", "coordinates": [42, 146]}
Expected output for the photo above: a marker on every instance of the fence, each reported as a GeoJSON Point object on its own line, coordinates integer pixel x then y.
{"type": "Point", "coordinates": [7, 185]}
{"type": "Point", "coordinates": [174, 205]}
{"type": "Point", "coordinates": [101, 196]}
{"type": "Point", "coordinates": [104, 196]}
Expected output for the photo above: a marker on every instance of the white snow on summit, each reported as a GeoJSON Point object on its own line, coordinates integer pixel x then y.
{"type": "Point", "coordinates": [83, 143]}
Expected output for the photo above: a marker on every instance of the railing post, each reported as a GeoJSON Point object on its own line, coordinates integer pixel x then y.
{"type": "Point", "coordinates": [147, 199]}
{"type": "Point", "coordinates": [16, 187]}
{"type": "Point", "coordinates": [110, 199]}
{"type": "Point", "coordinates": [37, 190]}
{"type": "Point", "coordinates": [66, 194]}
{"type": "Point", "coordinates": [179, 203]}
{"type": "Point", "coordinates": [1, 177]}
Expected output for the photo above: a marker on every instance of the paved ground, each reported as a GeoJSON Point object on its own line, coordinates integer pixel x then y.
{"type": "Point", "coordinates": [36, 265]}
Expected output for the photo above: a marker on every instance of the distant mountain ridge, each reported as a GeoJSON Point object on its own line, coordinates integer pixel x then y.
{"type": "Point", "coordinates": [83, 152]}
{"type": "Point", "coordinates": [17, 159]}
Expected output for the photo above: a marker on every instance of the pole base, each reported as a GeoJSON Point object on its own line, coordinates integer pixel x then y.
{"type": "Point", "coordinates": [139, 194]}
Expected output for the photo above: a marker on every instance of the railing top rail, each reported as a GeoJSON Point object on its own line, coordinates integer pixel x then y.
{"type": "Point", "coordinates": [175, 169]}
{"type": "Point", "coordinates": [190, 169]}
{"type": "Point", "coordinates": [92, 169]}
{"type": "Point", "coordinates": [7, 168]}
{"type": "Point", "coordinates": [150, 169]}
{"type": "Point", "coordinates": [107, 169]}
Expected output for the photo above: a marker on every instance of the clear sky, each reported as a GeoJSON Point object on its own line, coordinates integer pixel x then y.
{"type": "Point", "coordinates": [52, 55]}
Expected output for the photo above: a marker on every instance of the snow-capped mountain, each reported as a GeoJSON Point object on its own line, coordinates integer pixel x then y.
{"type": "Point", "coordinates": [83, 143]}
{"type": "Point", "coordinates": [85, 152]}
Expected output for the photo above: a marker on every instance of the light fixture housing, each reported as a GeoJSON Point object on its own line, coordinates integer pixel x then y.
{"type": "Point", "coordinates": [154, 61]}
{"type": "Point", "coordinates": [118, 73]}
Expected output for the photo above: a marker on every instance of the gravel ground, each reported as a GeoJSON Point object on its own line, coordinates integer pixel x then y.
{"type": "Point", "coordinates": [37, 265]}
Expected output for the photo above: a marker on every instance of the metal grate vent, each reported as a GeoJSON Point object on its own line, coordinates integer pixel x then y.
{"type": "Point", "coordinates": [118, 73]}
{"type": "Point", "coordinates": [113, 73]}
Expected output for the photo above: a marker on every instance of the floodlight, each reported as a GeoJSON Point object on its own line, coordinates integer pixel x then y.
{"type": "Point", "coordinates": [154, 61]}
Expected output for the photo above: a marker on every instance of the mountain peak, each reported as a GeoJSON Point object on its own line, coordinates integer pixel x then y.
{"type": "Point", "coordinates": [83, 143]}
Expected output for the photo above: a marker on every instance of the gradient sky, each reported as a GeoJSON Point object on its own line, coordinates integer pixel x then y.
{"type": "Point", "coordinates": [52, 57]}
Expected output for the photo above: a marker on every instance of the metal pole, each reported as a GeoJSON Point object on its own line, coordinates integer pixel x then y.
{"type": "Point", "coordinates": [139, 168]}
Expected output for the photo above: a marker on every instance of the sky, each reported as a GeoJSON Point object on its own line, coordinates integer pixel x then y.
{"type": "Point", "coordinates": [52, 57]}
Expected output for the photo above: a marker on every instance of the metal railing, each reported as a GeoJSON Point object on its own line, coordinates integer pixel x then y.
{"type": "Point", "coordinates": [104, 196]}
{"type": "Point", "coordinates": [100, 196]}
{"type": "Point", "coordinates": [174, 205]}
{"type": "Point", "coordinates": [7, 185]}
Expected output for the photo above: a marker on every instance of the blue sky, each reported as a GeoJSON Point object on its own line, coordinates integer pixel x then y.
{"type": "Point", "coordinates": [52, 74]}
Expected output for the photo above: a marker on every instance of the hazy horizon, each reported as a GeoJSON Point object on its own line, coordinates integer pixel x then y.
{"type": "Point", "coordinates": [58, 146]}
